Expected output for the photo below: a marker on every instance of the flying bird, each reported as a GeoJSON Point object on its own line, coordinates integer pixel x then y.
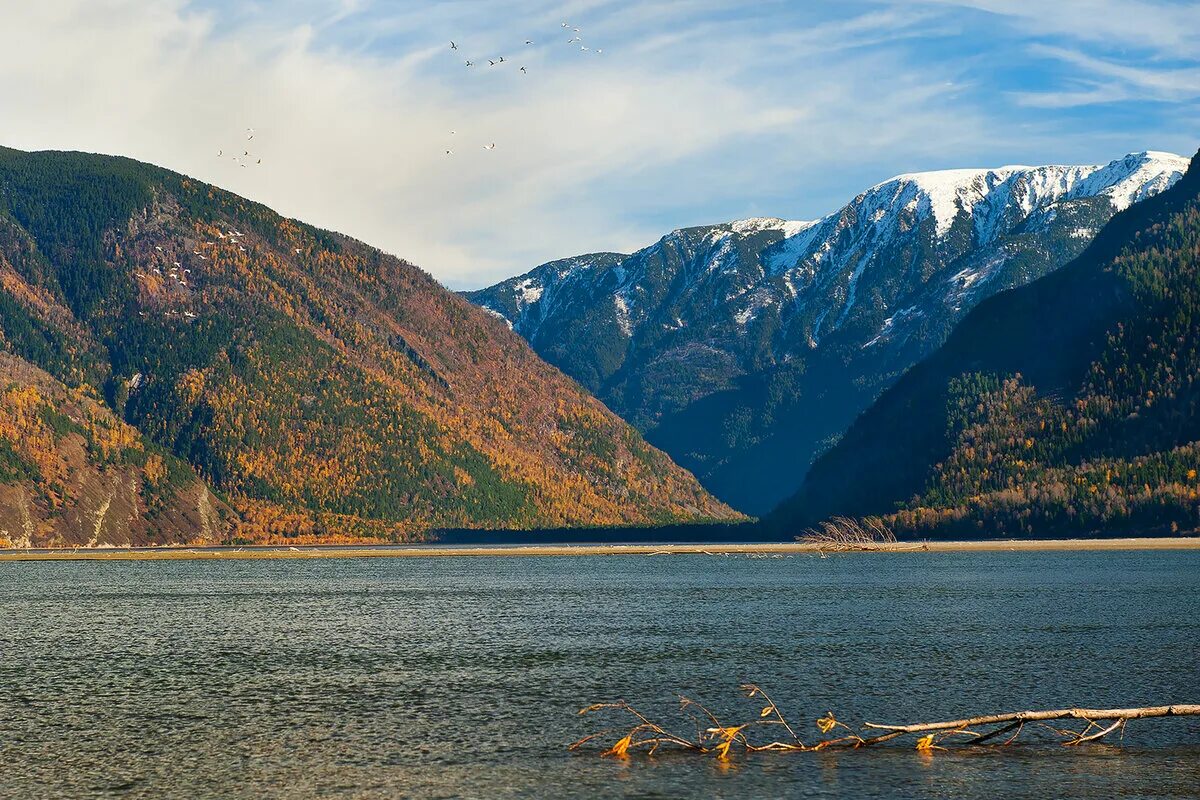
{"type": "Point", "coordinates": [491, 63]}
{"type": "Point", "coordinates": [449, 152]}
{"type": "Point", "coordinates": [220, 153]}
{"type": "Point", "coordinates": [491, 146]}
{"type": "Point", "coordinates": [565, 25]}
{"type": "Point", "coordinates": [523, 70]}
{"type": "Point", "coordinates": [529, 41]}
{"type": "Point", "coordinates": [453, 46]}
{"type": "Point", "coordinates": [470, 63]}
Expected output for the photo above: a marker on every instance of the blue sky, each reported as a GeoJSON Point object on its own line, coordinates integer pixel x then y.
{"type": "Point", "coordinates": [695, 112]}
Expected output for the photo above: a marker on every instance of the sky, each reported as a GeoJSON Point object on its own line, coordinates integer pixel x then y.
{"type": "Point", "coordinates": [695, 112]}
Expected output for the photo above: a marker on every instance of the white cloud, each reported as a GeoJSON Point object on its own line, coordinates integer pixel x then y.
{"type": "Point", "coordinates": [353, 110]}
{"type": "Point", "coordinates": [695, 112]}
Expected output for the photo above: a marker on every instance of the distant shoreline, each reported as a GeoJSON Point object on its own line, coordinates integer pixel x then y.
{"type": "Point", "coordinates": [442, 551]}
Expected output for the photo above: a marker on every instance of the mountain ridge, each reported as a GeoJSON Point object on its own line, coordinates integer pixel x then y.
{"type": "Point", "coordinates": [745, 348]}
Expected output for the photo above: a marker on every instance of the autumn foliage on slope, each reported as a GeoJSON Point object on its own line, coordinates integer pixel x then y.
{"type": "Point", "coordinates": [326, 388]}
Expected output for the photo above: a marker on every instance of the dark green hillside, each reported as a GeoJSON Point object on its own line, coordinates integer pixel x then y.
{"type": "Point", "coordinates": [1068, 406]}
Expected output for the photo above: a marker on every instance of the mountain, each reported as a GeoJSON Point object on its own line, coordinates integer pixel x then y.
{"type": "Point", "coordinates": [1068, 406]}
{"type": "Point", "coordinates": [745, 349]}
{"type": "Point", "coordinates": [323, 388]}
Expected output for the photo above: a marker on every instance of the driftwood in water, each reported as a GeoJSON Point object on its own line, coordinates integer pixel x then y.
{"type": "Point", "coordinates": [713, 736]}
{"type": "Point", "coordinates": [1095, 717]}
{"type": "Point", "coordinates": [1089, 714]}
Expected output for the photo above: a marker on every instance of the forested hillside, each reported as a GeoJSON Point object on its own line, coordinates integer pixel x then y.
{"type": "Point", "coordinates": [1069, 406]}
{"type": "Point", "coordinates": [326, 389]}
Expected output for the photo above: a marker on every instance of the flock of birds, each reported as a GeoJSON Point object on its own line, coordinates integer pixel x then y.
{"type": "Point", "coordinates": [179, 275]}
{"type": "Point", "coordinates": [245, 159]}
{"type": "Point", "coordinates": [576, 38]}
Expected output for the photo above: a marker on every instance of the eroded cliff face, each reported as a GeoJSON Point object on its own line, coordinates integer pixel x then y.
{"type": "Point", "coordinates": [72, 474]}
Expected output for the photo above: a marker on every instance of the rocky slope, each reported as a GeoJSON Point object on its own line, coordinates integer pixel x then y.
{"type": "Point", "coordinates": [745, 349]}
{"type": "Point", "coordinates": [327, 389]}
{"type": "Point", "coordinates": [1070, 406]}
{"type": "Point", "coordinates": [73, 474]}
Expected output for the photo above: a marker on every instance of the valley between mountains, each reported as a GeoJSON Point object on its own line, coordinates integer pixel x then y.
{"type": "Point", "coordinates": [746, 349]}
{"type": "Point", "coordinates": [998, 352]}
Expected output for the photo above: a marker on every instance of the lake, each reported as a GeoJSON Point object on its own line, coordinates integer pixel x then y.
{"type": "Point", "coordinates": [460, 677]}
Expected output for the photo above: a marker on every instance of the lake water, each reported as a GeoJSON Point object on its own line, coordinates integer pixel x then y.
{"type": "Point", "coordinates": [460, 677]}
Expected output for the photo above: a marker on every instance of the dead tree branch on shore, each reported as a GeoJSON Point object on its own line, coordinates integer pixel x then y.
{"type": "Point", "coordinates": [717, 738]}
{"type": "Point", "coordinates": [844, 533]}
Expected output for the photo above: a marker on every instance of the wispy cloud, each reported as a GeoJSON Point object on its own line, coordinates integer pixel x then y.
{"type": "Point", "coordinates": [694, 112]}
{"type": "Point", "coordinates": [1109, 81]}
{"type": "Point", "coordinates": [1165, 28]}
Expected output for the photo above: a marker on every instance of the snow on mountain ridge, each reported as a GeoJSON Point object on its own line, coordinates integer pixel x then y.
{"type": "Point", "coordinates": [1125, 181]}
{"type": "Point", "coordinates": [821, 261]}
{"type": "Point", "coordinates": [759, 224]}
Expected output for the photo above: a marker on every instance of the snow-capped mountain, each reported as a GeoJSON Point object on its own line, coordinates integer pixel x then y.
{"type": "Point", "coordinates": [744, 348]}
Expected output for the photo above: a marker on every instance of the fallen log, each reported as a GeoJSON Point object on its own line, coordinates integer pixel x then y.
{"type": "Point", "coordinates": [1016, 720]}
{"type": "Point", "coordinates": [716, 737]}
